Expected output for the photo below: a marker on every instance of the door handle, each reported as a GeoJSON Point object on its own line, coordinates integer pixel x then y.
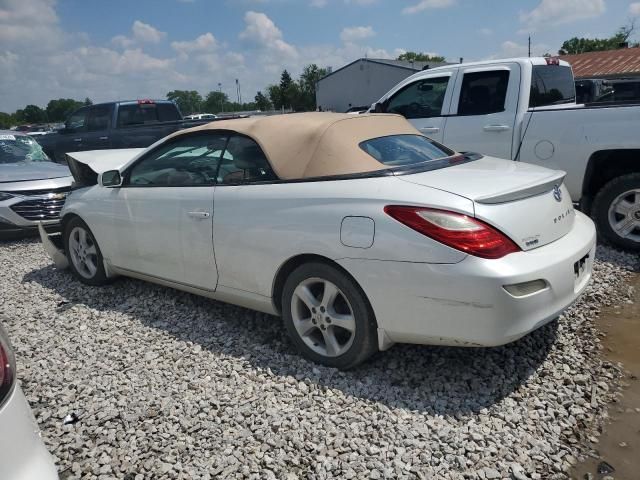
{"type": "Point", "coordinates": [430, 129]}
{"type": "Point", "coordinates": [496, 128]}
{"type": "Point", "coordinates": [104, 138]}
{"type": "Point", "coordinates": [77, 139]}
{"type": "Point", "coordinates": [199, 214]}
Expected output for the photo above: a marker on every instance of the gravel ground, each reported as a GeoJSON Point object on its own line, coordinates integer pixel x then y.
{"type": "Point", "coordinates": [169, 385]}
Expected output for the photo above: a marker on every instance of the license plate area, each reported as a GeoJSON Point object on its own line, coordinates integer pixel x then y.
{"type": "Point", "coordinates": [580, 269]}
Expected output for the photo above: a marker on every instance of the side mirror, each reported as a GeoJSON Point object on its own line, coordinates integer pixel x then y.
{"type": "Point", "coordinates": [110, 178]}
{"type": "Point", "coordinates": [380, 107]}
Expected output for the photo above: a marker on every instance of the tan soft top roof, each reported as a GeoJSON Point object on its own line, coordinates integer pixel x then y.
{"type": "Point", "coordinates": [316, 144]}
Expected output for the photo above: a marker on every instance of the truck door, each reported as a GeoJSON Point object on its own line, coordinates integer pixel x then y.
{"type": "Point", "coordinates": [98, 128]}
{"type": "Point", "coordinates": [483, 110]}
{"type": "Point", "coordinates": [424, 102]}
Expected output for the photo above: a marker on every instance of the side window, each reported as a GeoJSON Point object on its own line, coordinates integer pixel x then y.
{"type": "Point", "coordinates": [78, 120]}
{"type": "Point", "coordinates": [244, 162]}
{"type": "Point", "coordinates": [99, 118]}
{"type": "Point", "coordinates": [421, 99]}
{"type": "Point", "coordinates": [483, 92]}
{"type": "Point", "coordinates": [187, 161]}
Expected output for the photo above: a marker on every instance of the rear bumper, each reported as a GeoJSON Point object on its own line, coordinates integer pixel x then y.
{"type": "Point", "coordinates": [465, 303]}
{"type": "Point", "coordinates": [23, 455]}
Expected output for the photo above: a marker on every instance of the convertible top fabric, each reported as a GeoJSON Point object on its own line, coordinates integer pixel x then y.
{"type": "Point", "coordinates": [315, 144]}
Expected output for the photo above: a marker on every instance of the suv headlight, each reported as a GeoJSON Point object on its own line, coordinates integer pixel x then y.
{"type": "Point", "coordinates": [5, 196]}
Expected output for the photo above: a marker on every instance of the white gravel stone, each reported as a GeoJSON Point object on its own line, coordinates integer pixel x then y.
{"type": "Point", "coordinates": [167, 385]}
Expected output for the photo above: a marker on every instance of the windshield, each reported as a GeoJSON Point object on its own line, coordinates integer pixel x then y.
{"type": "Point", "coordinates": [551, 85]}
{"type": "Point", "coordinates": [405, 150]}
{"type": "Point", "coordinates": [20, 148]}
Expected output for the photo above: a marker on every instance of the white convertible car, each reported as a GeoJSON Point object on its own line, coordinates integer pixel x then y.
{"type": "Point", "coordinates": [358, 230]}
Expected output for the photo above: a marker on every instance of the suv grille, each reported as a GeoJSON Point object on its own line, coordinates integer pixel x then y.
{"type": "Point", "coordinates": [41, 205]}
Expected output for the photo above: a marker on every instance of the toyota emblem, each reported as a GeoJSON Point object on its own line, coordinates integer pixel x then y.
{"type": "Point", "coordinates": [557, 193]}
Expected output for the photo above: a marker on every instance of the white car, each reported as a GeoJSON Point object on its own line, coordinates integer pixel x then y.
{"type": "Point", "coordinates": [358, 230]}
{"type": "Point", "coordinates": [201, 116]}
{"type": "Point", "coordinates": [23, 456]}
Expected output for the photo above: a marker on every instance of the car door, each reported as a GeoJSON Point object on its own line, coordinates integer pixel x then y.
{"type": "Point", "coordinates": [164, 211]}
{"type": "Point", "coordinates": [72, 137]}
{"type": "Point", "coordinates": [483, 110]}
{"type": "Point", "coordinates": [97, 133]}
{"type": "Point", "coordinates": [424, 102]}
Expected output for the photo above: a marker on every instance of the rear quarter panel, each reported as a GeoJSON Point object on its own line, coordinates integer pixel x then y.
{"type": "Point", "coordinates": [257, 228]}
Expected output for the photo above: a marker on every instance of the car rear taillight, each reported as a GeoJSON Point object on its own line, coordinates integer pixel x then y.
{"type": "Point", "coordinates": [456, 230]}
{"type": "Point", "coordinates": [7, 367]}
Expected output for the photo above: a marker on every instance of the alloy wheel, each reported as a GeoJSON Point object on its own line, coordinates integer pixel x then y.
{"type": "Point", "coordinates": [83, 252]}
{"type": "Point", "coordinates": [323, 317]}
{"type": "Point", "coordinates": [624, 215]}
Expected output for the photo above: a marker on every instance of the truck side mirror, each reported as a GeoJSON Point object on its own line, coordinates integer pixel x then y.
{"type": "Point", "coordinates": [110, 179]}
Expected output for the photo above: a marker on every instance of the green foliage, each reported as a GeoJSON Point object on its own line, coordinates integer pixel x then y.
{"type": "Point", "coordinates": [297, 96]}
{"type": "Point", "coordinates": [34, 114]}
{"type": "Point", "coordinates": [420, 57]}
{"type": "Point", "coordinates": [189, 101]}
{"type": "Point", "coordinates": [262, 102]}
{"type": "Point", "coordinates": [577, 45]}
{"type": "Point", "coordinates": [6, 120]}
{"type": "Point", "coordinates": [58, 110]}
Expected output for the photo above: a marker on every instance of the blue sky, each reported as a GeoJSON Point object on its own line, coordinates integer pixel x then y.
{"type": "Point", "coordinates": [144, 48]}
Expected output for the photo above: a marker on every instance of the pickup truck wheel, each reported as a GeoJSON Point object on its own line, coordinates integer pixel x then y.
{"type": "Point", "coordinates": [328, 316]}
{"type": "Point", "coordinates": [616, 212]}
{"type": "Point", "coordinates": [85, 258]}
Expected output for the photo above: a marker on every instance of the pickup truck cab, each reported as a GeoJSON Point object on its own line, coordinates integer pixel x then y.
{"type": "Point", "coordinates": [129, 124]}
{"type": "Point", "coordinates": [524, 109]}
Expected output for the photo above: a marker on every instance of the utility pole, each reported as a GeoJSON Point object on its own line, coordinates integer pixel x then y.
{"type": "Point", "coordinates": [221, 99]}
{"type": "Point", "coordinates": [529, 46]}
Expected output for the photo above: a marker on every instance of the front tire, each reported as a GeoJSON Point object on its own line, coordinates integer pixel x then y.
{"type": "Point", "coordinates": [83, 252]}
{"type": "Point", "coordinates": [328, 316]}
{"type": "Point", "coordinates": [616, 212]}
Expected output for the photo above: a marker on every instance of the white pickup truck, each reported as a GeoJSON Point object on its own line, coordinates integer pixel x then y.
{"type": "Point", "coordinates": [524, 109]}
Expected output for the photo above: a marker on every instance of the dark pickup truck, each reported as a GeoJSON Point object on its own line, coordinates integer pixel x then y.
{"type": "Point", "coordinates": [130, 124]}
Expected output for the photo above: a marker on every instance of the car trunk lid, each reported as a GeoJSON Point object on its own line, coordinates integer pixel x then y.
{"type": "Point", "coordinates": [528, 203]}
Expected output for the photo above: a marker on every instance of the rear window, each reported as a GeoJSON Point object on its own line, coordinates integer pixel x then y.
{"type": "Point", "coordinates": [20, 148]}
{"type": "Point", "coordinates": [144, 113]}
{"type": "Point", "coordinates": [405, 150]}
{"type": "Point", "coordinates": [551, 85]}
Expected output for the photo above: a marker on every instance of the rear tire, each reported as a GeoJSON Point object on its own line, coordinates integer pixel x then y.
{"type": "Point", "coordinates": [83, 252]}
{"type": "Point", "coordinates": [616, 212]}
{"type": "Point", "coordinates": [328, 316]}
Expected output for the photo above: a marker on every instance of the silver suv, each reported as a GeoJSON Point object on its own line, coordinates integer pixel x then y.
{"type": "Point", "coordinates": [32, 187]}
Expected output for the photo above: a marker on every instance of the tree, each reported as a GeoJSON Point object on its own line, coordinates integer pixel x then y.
{"type": "Point", "coordinates": [262, 102]}
{"type": "Point", "coordinates": [216, 102]}
{"type": "Point", "coordinates": [34, 114]}
{"type": "Point", "coordinates": [6, 120]}
{"type": "Point", "coordinates": [275, 96]}
{"type": "Point", "coordinates": [308, 80]}
{"type": "Point", "coordinates": [87, 101]}
{"type": "Point", "coordinates": [189, 101]}
{"type": "Point", "coordinates": [420, 57]}
{"type": "Point", "coordinates": [58, 110]}
{"type": "Point", "coordinates": [577, 45]}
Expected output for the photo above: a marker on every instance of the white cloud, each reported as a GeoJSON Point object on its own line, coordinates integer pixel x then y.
{"type": "Point", "coordinates": [204, 43]}
{"type": "Point", "coordinates": [555, 12]}
{"type": "Point", "coordinates": [354, 34]}
{"type": "Point", "coordinates": [147, 33]}
{"type": "Point", "coordinates": [634, 8]}
{"type": "Point", "coordinates": [261, 33]}
{"type": "Point", "coordinates": [485, 31]}
{"type": "Point", "coordinates": [427, 5]}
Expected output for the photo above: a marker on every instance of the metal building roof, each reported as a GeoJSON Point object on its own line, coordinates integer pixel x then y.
{"type": "Point", "coordinates": [609, 63]}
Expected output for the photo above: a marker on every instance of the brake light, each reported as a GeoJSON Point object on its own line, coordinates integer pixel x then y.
{"type": "Point", "coordinates": [552, 60]}
{"type": "Point", "coordinates": [146, 102]}
{"type": "Point", "coordinates": [455, 230]}
{"type": "Point", "coordinates": [7, 367]}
